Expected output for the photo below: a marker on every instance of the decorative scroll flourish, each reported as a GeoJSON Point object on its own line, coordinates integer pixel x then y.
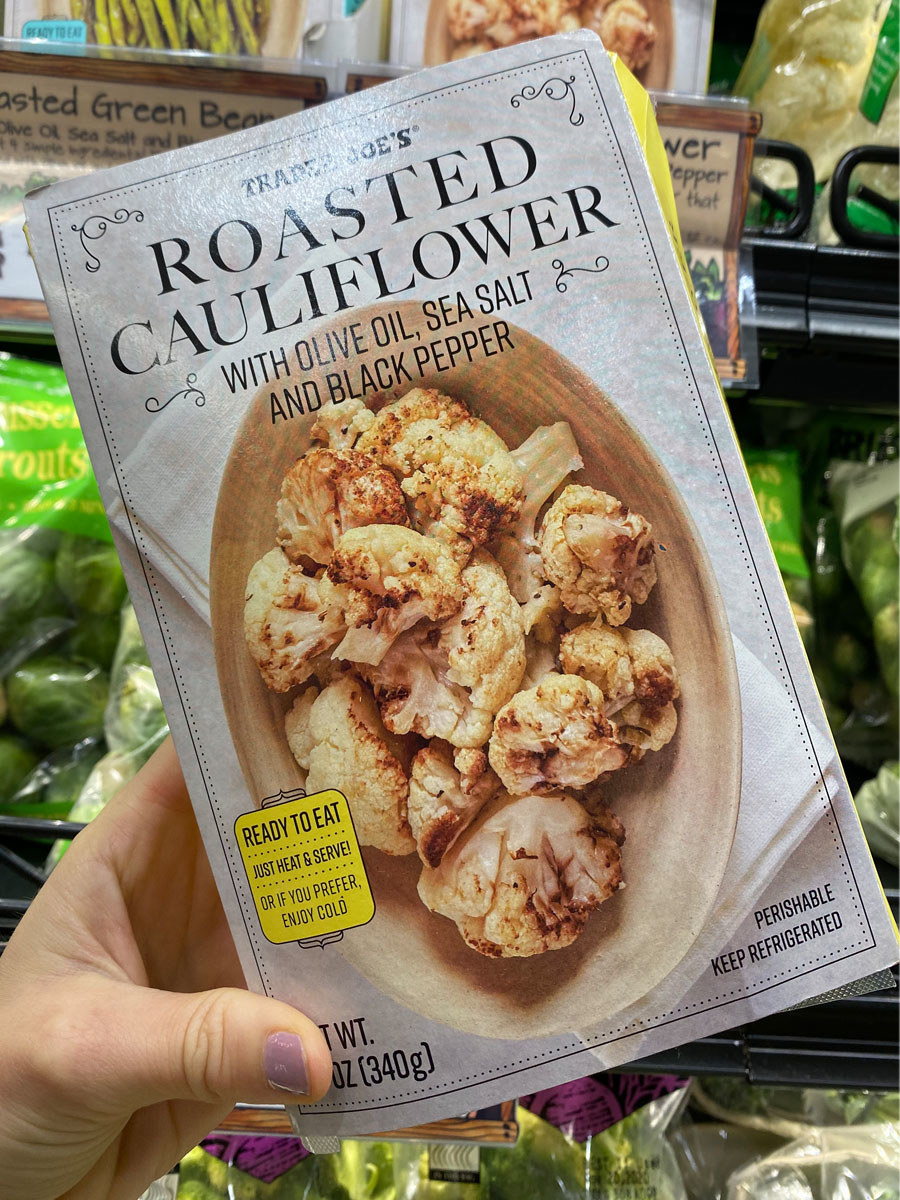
{"type": "Point", "coordinates": [320, 942]}
{"type": "Point", "coordinates": [93, 228]}
{"type": "Point", "coordinates": [553, 89]}
{"type": "Point", "coordinates": [601, 262]}
{"type": "Point", "coordinates": [188, 392]}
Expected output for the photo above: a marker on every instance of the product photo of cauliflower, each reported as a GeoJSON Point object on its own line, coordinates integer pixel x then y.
{"type": "Point", "coordinates": [289, 619]}
{"type": "Point", "coordinates": [598, 553]}
{"type": "Point", "coordinates": [554, 736]}
{"type": "Point", "coordinates": [347, 748]}
{"type": "Point", "coordinates": [446, 619]}
{"type": "Point", "coordinates": [526, 876]}
{"type": "Point", "coordinates": [448, 681]}
{"type": "Point", "coordinates": [386, 578]}
{"type": "Point", "coordinates": [447, 790]}
{"type": "Point", "coordinates": [326, 493]}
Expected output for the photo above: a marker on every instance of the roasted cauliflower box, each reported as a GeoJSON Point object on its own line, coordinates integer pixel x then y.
{"type": "Point", "coordinates": [486, 689]}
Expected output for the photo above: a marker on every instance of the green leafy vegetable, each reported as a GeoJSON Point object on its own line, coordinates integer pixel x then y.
{"type": "Point", "coordinates": [57, 702]}
{"type": "Point", "coordinates": [878, 805]}
{"type": "Point", "coordinates": [27, 590]}
{"type": "Point", "coordinates": [93, 639]}
{"type": "Point", "coordinates": [17, 760]}
{"type": "Point", "coordinates": [543, 1165]}
{"type": "Point", "coordinates": [89, 575]}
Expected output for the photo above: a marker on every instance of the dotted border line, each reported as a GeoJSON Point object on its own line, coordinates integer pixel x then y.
{"type": "Point", "coordinates": [578, 59]}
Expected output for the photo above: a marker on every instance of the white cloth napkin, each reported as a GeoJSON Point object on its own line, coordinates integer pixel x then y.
{"type": "Point", "coordinates": [780, 803]}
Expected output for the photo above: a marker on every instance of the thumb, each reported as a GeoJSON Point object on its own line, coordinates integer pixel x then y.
{"type": "Point", "coordinates": [219, 1046]}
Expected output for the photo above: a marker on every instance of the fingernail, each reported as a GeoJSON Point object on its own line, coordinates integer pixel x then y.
{"type": "Point", "coordinates": [285, 1063]}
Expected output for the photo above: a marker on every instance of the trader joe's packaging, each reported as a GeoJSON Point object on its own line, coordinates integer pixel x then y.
{"type": "Point", "coordinates": [481, 672]}
{"type": "Point", "coordinates": [666, 43]}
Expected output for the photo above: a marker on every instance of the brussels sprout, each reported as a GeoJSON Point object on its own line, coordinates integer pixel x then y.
{"type": "Point", "coordinates": [135, 715]}
{"type": "Point", "coordinates": [886, 631]}
{"type": "Point", "coordinates": [867, 536]}
{"type": "Point", "coordinates": [89, 575]}
{"type": "Point", "coordinates": [27, 590]}
{"type": "Point", "coordinates": [849, 655]}
{"type": "Point", "coordinates": [131, 648]}
{"type": "Point", "coordinates": [94, 638]}
{"type": "Point", "coordinates": [17, 759]}
{"type": "Point", "coordinates": [878, 583]}
{"type": "Point", "coordinates": [57, 702]}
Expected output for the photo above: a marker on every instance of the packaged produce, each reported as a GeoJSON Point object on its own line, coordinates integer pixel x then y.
{"type": "Point", "coordinates": [665, 43]}
{"type": "Point", "coordinates": [878, 805]}
{"type": "Point", "coordinates": [454, 585]}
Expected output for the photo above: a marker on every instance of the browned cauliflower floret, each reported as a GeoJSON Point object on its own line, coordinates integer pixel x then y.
{"type": "Point", "coordinates": [525, 877]}
{"type": "Point", "coordinates": [289, 619]}
{"type": "Point", "coordinates": [554, 736]}
{"type": "Point", "coordinates": [625, 29]}
{"type": "Point", "coordinates": [469, 20]}
{"type": "Point", "coordinates": [447, 681]}
{"type": "Point", "coordinates": [387, 437]}
{"type": "Point", "coordinates": [635, 670]}
{"type": "Point", "coordinates": [340, 425]}
{"type": "Point", "coordinates": [352, 752]}
{"type": "Point", "coordinates": [456, 471]}
{"type": "Point", "coordinates": [539, 18]}
{"type": "Point", "coordinates": [599, 555]}
{"type": "Point", "coordinates": [327, 492]}
{"type": "Point", "coordinates": [387, 578]}
{"type": "Point", "coordinates": [296, 726]}
{"type": "Point", "coordinates": [447, 790]}
{"type": "Point", "coordinates": [545, 459]}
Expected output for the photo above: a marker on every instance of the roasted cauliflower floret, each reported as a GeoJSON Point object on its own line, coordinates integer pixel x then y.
{"type": "Point", "coordinates": [353, 753]}
{"type": "Point", "coordinates": [327, 492]}
{"type": "Point", "coordinates": [340, 425]}
{"type": "Point", "coordinates": [625, 29]}
{"type": "Point", "coordinates": [387, 437]}
{"type": "Point", "coordinates": [542, 17]}
{"type": "Point", "coordinates": [289, 619]}
{"type": "Point", "coordinates": [296, 726]}
{"type": "Point", "coordinates": [447, 681]}
{"type": "Point", "coordinates": [545, 459]}
{"type": "Point", "coordinates": [554, 736]}
{"type": "Point", "coordinates": [469, 20]}
{"type": "Point", "coordinates": [456, 471]}
{"type": "Point", "coordinates": [598, 553]}
{"type": "Point", "coordinates": [625, 664]}
{"type": "Point", "coordinates": [386, 579]}
{"type": "Point", "coordinates": [447, 790]}
{"type": "Point", "coordinates": [635, 670]}
{"type": "Point", "coordinates": [525, 877]}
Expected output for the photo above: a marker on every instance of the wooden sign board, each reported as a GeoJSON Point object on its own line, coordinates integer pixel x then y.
{"type": "Point", "coordinates": [64, 115]}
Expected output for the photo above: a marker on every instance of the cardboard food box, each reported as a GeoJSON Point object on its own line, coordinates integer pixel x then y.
{"type": "Point", "coordinates": [497, 725]}
{"type": "Point", "coordinates": [665, 43]}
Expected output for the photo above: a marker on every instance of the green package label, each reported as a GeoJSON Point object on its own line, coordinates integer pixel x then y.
{"type": "Point", "coordinates": [775, 477]}
{"type": "Point", "coordinates": [45, 472]}
{"type": "Point", "coordinates": [883, 70]}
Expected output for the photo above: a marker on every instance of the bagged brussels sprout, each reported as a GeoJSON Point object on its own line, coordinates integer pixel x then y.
{"type": "Point", "coordinates": [878, 805]}
{"type": "Point", "coordinates": [61, 591]}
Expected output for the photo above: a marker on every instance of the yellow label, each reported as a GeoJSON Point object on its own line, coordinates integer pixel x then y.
{"type": "Point", "coordinates": [304, 867]}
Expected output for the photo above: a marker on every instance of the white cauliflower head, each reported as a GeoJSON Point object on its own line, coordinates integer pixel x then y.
{"type": "Point", "coordinates": [456, 471]}
{"type": "Point", "coordinates": [387, 578]}
{"type": "Point", "coordinates": [327, 492]}
{"type": "Point", "coordinates": [296, 726]}
{"type": "Point", "coordinates": [340, 425]}
{"type": "Point", "coordinates": [635, 670]}
{"type": "Point", "coordinates": [598, 553]}
{"type": "Point", "coordinates": [447, 681]}
{"type": "Point", "coordinates": [447, 790]}
{"type": "Point", "coordinates": [525, 877]}
{"type": "Point", "coordinates": [625, 28]}
{"type": "Point", "coordinates": [554, 736]}
{"type": "Point", "coordinates": [289, 619]}
{"type": "Point", "coordinates": [352, 752]}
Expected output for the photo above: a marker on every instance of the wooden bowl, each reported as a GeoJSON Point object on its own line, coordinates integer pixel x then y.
{"type": "Point", "coordinates": [440, 46]}
{"type": "Point", "coordinates": [679, 806]}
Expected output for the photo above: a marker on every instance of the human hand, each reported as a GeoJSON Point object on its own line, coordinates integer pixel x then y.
{"type": "Point", "coordinates": [126, 1034]}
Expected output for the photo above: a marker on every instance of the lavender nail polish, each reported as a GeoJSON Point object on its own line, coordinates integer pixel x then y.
{"type": "Point", "coordinates": [285, 1063]}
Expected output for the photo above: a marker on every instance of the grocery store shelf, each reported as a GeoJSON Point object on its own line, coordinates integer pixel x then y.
{"type": "Point", "coordinates": [825, 297]}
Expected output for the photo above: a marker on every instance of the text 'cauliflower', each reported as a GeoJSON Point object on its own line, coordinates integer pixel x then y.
{"type": "Point", "coordinates": [554, 736]}
{"type": "Point", "coordinates": [347, 748]}
{"type": "Point", "coordinates": [527, 875]}
{"type": "Point", "coordinates": [598, 553]}
{"type": "Point", "coordinates": [289, 618]}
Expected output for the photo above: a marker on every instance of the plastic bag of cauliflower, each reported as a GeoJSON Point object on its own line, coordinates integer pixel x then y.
{"type": "Point", "coordinates": [455, 615]}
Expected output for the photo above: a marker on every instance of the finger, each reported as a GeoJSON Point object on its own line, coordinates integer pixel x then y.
{"type": "Point", "coordinates": [120, 1047]}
